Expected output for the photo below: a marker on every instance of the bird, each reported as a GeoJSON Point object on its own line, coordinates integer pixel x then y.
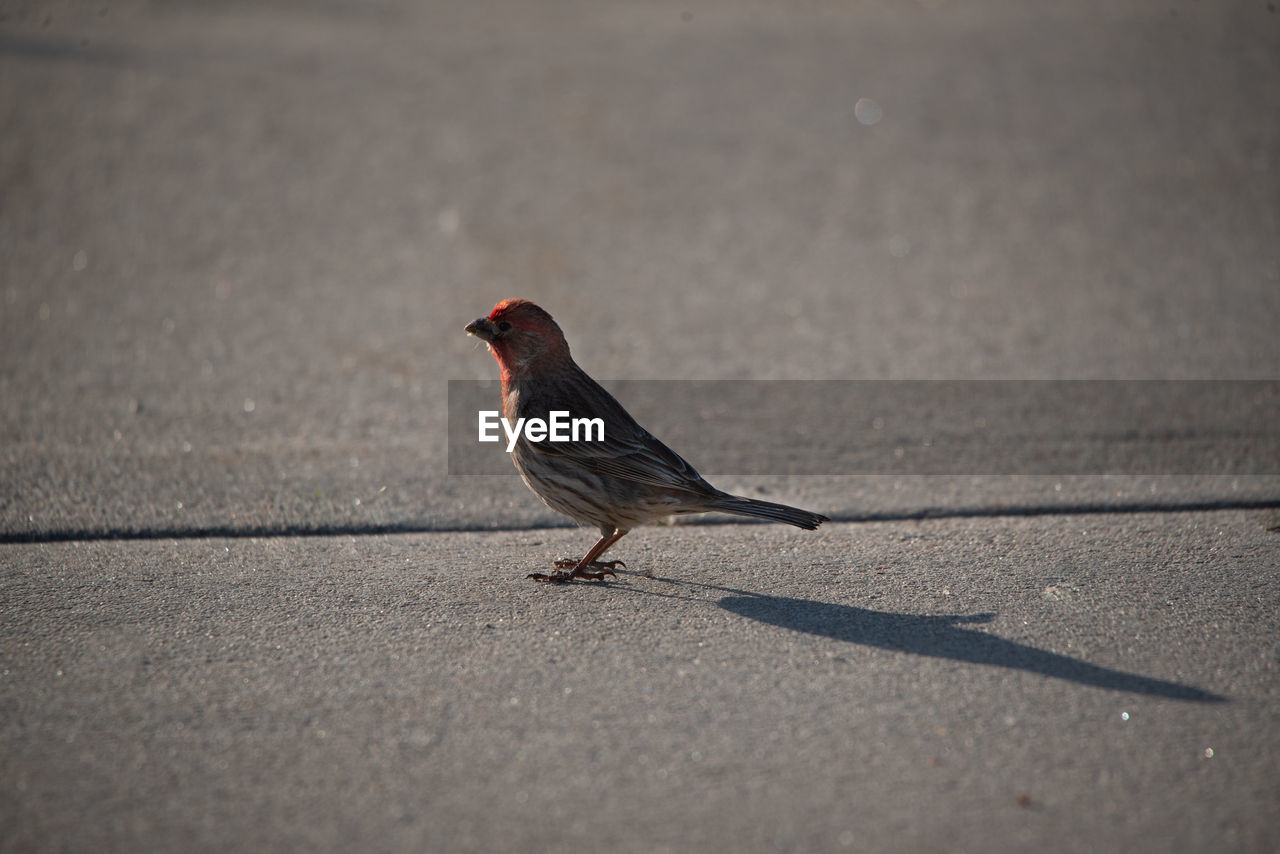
{"type": "Point", "coordinates": [615, 483]}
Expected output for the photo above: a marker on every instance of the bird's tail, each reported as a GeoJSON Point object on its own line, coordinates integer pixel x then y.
{"type": "Point", "coordinates": [740, 506]}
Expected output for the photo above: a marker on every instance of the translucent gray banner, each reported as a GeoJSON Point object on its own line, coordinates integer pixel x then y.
{"type": "Point", "coordinates": [943, 427]}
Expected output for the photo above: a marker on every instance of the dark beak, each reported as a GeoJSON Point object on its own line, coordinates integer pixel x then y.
{"type": "Point", "coordinates": [481, 328]}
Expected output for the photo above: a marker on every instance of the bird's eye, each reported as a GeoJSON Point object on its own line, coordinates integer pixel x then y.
{"type": "Point", "coordinates": [504, 326]}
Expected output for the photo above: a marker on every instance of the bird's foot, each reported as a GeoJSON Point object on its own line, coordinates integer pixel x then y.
{"type": "Point", "coordinates": [570, 563]}
{"type": "Point", "coordinates": [553, 578]}
{"type": "Point", "coordinates": [602, 567]}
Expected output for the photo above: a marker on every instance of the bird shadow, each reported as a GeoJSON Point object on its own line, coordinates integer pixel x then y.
{"type": "Point", "coordinates": [941, 636]}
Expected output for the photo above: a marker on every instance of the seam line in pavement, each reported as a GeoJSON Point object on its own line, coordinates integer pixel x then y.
{"type": "Point", "coordinates": [216, 532]}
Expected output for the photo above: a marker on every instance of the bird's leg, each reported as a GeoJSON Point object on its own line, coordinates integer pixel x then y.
{"type": "Point", "coordinates": [582, 568]}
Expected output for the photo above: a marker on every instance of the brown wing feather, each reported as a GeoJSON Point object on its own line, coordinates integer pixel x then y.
{"type": "Point", "coordinates": [628, 451]}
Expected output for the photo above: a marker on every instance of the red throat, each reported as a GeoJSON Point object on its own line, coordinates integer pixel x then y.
{"type": "Point", "coordinates": [503, 371]}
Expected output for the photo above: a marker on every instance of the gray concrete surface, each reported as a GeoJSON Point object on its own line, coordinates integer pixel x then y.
{"type": "Point", "coordinates": [1059, 683]}
{"type": "Point", "coordinates": [238, 243]}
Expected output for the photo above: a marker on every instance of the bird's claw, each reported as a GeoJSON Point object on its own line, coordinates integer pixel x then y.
{"type": "Point", "coordinates": [602, 568]}
{"type": "Point", "coordinates": [569, 563]}
{"type": "Point", "coordinates": [553, 578]}
{"type": "Point", "coordinates": [594, 576]}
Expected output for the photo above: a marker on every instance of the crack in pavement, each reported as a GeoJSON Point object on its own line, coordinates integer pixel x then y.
{"type": "Point", "coordinates": [217, 532]}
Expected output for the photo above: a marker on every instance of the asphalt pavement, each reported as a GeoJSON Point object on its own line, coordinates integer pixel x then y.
{"type": "Point", "coordinates": [244, 604]}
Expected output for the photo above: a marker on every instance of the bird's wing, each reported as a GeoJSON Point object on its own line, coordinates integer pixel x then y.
{"type": "Point", "coordinates": [628, 451]}
{"type": "Point", "coordinates": [642, 460]}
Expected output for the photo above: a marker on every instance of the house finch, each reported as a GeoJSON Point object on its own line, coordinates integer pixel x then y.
{"type": "Point", "coordinates": [629, 478]}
